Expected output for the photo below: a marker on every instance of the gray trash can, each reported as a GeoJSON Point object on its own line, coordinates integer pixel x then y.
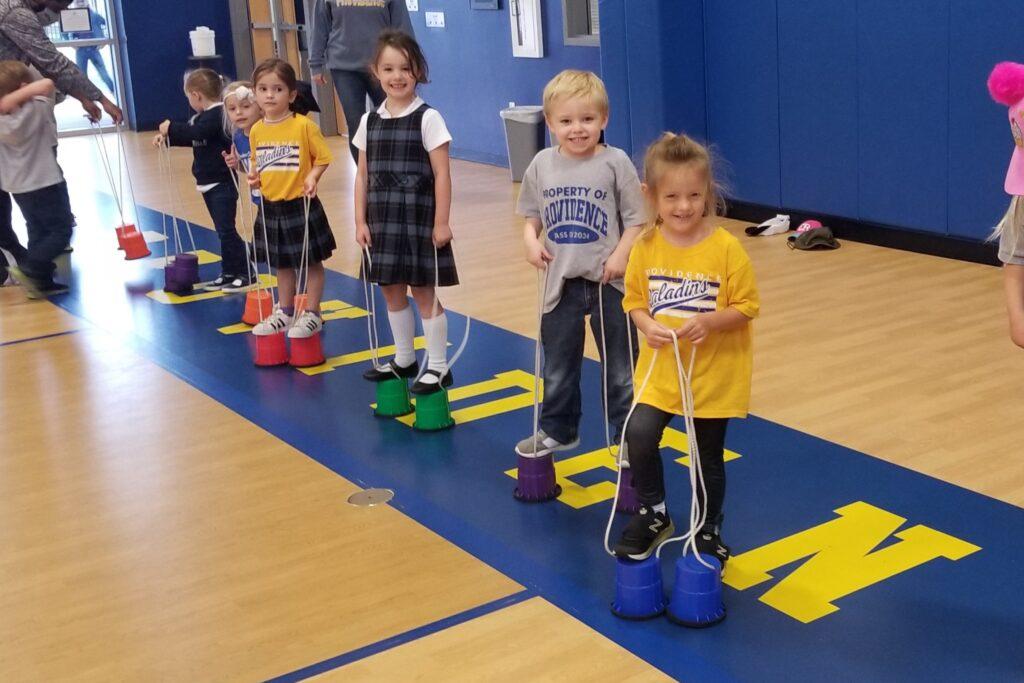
{"type": "Point", "coordinates": [524, 135]}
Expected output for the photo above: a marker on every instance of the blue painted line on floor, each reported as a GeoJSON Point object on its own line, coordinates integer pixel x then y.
{"type": "Point", "coordinates": [403, 638]}
{"type": "Point", "coordinates": [39, 338]}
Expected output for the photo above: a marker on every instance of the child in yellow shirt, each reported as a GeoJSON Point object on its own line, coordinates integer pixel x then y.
{"type": "Point", "coordinates": [689, 276]}
{"type": "Point", "coordinates": [287, 158]}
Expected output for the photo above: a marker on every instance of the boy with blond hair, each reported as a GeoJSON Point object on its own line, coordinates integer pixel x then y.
{"type": "Point", "coordinates": [583, 208]}
{"type": "Point", "coordinates": [29, 171]}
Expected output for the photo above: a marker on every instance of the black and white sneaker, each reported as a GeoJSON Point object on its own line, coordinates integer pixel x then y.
{"type": "Point", "coordinates": [432, 381]}
{"type": "Point", "coordinates": [643, 534]}
{"type": "Point", "coordinates": [390, 370]}
{"type": "Point", "coordinates": [709, 542]}
{"type": "Point", "coordinates": [218, 284]}
{"type": "Point", "coordinates": [239, 283]}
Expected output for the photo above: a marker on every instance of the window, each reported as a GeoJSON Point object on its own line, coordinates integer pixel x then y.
{"type": "Point", "coordinates": [581, 23]}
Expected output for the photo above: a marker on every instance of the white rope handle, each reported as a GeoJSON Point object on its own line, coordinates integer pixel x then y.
{"type": "Point", "coordinates": [165, 156]}
{"type": "Point", "coordinates": [127, 171]}
{"type": "Point", "coordinates": [266, 249]}
{"type": "Point", "coordinates": [108, 168]}
{"type": "Point", "coordinates": [302, 276]}
{"type": "Point", "coordinates": [637, 394]}
{"type": "Point", "coordinates": [465, 335]}
{"type": "Point", "coordinates": [542, 290]}
{"type": "Point", "coordinates": [245, 215]}
{"type": "Point", "coordinates": [371, 310]}
{"type": "Point", "coordinates": [434, 311]}
{"type": "Point", "coordinates": [177, 197]}
{"type": "Point", "coordinates": [165, 178]}
{"type": "Point", "coordinates": [698, 513]}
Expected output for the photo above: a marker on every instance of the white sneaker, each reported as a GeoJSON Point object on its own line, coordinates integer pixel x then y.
{"type": "Point", "coordinates": [544, 445]}
{"type": "Point", "coordinates": [306, 325]}
{"type": "Point", "coordinates": [772, 226]}
{"type": "Point", "coordinates": [278, 321]}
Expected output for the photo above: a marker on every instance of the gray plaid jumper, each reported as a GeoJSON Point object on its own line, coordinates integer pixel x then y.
{"type": "Point", "coordinates": [400, 204]}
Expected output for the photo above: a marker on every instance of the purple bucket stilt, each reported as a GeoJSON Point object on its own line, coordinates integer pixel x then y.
{"type": "Point", "coordinates": [189, 265]}
{"type": "Point", "coordinates": [176, 280]}
{"type": "Point", "coordinates": [536, 480]}
{"type": "Point", "coordinates": [627, 500]}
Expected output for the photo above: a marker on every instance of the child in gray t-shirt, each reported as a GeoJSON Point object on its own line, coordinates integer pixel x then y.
{"type": "Point", "coordinates": [584, 208]}
{"type": "Point", "coordinates": [28, 139]}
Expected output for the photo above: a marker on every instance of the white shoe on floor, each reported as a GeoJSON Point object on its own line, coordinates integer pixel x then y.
{"type": "Point", "coordinates": [306, 325]}
{"type": "Point", "coordinates": [278, 321]}
{"type": "Point", "coordinates": [772, 226]}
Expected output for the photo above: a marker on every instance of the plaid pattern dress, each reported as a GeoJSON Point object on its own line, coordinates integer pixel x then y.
{"type": "Point", "coordinates": [400, 204]}
{"type": "Point", "coordinates": [286, 223]}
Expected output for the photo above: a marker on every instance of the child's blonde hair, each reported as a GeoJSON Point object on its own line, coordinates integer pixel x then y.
{"type": "Point", "coordinates": [676, 150]}
{"type": "Point", "coordinates": [572, 83]}
{"type": "Point", "coordinates": [1011, 226]}
{"type": "Point", "coordinates": [242, 91]}
{"type": "Point", "coordinates": [13, 75]}
{"type": "Point", "coordinates": [206, 82]}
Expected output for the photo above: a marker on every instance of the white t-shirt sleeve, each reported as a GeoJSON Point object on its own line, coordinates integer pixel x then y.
{"type": "Point", "coordinates": [435, 132]}
{"type": "Point", "coordinates": [24, 121]}
{"type": "Point", "coordinates": [360, 138]}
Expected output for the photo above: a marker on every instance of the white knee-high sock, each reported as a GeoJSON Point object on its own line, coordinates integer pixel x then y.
{"type": "Point", "coordinates": [403, 329]}
{"type": "Point", "coordinates": [436, 331]}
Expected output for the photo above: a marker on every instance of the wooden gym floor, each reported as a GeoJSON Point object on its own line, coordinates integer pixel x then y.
{"type": "Point", "coordinates": [134, 551]}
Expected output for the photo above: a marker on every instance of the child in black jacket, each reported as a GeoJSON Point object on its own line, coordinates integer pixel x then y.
{"type": "Point", "coordinates": [205, 133]}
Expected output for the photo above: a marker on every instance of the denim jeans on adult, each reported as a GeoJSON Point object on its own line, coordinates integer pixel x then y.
{"type": "Point", "coordinates": [222, 203]}
{"type": "Point", "coordinates": [49, 221]}
{"type": "Point", "coordinates": [8, 240]}
{"type": "Point", "coordinates": [85, 55]}
{"type": "Point", "coordinates": [562, 335]}
{"type": "Point", "coordinates": [352, 88]}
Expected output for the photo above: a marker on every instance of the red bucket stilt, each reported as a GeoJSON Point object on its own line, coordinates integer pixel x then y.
{"type": "Point", "coordinates": [258, 306]}
{"type": "Point", "coordinates": [306, 352]}
{"type": "Point", "coordinates": [135, 246]}
{"type": "Point", "coordinates": [123, 232]}
{"type": "Point", "coordinates": [271, 350]}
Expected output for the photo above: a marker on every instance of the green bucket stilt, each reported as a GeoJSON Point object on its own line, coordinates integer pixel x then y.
{"type": "Point", "coordinates": [433, 412]}
{"type": "Point", "coordinates": [393, 398]}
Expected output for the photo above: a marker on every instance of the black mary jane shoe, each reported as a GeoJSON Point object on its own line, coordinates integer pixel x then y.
{"type": "Point", "coordinates": [421, 387]}
{"type": "Point", "coordinates": [391, 369]}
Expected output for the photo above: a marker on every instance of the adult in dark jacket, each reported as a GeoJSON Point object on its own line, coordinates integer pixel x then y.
{"type": "Point", "coordinates": [343, 37]}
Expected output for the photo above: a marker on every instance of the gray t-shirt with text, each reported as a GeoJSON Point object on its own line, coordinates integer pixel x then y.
{"type": "Point", "coordinates": [583, 205]}
{"type": "Point", "coordinates": [28, 137]}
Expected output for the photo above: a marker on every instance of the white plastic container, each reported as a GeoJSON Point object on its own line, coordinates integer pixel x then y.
{"type": "Point", "coordinates": [204, 42]}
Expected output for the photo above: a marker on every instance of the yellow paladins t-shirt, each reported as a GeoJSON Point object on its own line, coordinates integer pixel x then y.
{"type": "Point", "coordinates": [284, 153]}
{"type": "Point", "coordinates": [674, 284]}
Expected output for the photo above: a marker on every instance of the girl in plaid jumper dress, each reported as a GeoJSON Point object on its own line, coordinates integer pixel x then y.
{"type": "Point", "coordinates": [288, 155]}
{"type": "Point", "coordinates": [402, 202]}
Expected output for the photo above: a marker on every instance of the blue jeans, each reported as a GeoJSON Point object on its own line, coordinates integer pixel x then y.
{"type": "Point", "coordinates": [562, 336]}
{"type": "Point", "coordinates": [222, 203]}
{"type": "Point", "coordinates": [352, 88]}
{"type": "Point", "coordinates": [49, 221]}
{"type": "Point", "coordinates": [84, 55]}
{"type": "Point", "coordinates": [9, 240]}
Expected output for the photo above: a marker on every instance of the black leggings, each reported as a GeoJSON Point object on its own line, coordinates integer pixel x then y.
{"type": "Point", "coordinates": [643, 436]}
